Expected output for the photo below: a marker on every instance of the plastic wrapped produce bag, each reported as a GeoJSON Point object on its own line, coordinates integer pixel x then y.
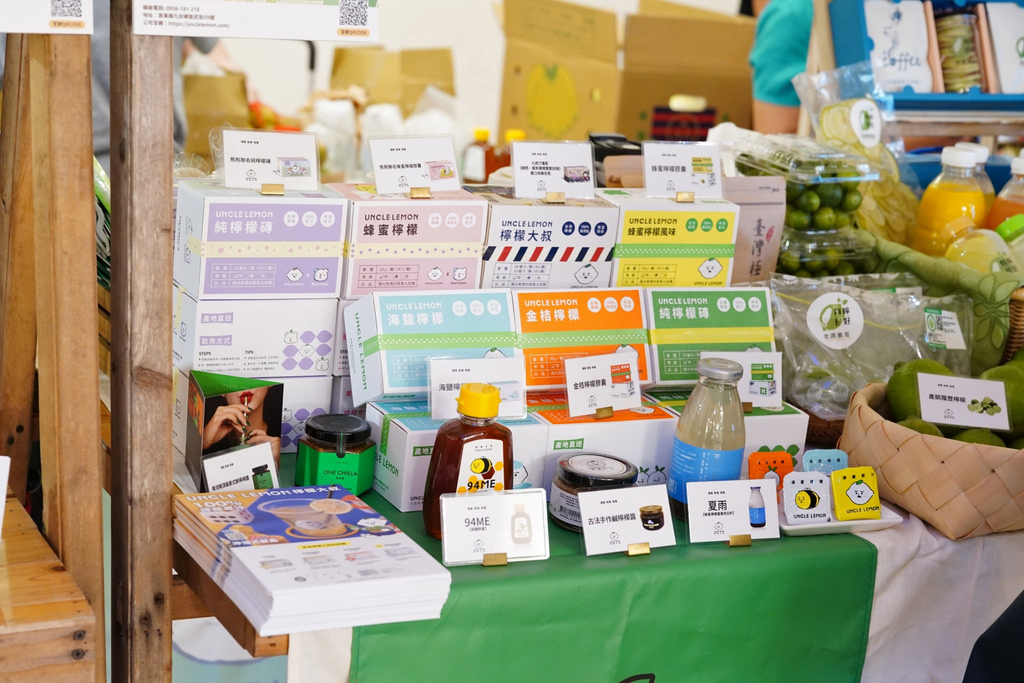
{"type": "Point", "coordinates": [838, 338]}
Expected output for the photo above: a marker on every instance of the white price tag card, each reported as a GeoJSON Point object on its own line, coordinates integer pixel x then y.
{"type": "Point", "coordinates": [241, 468]}
{"type": "Point", "coordinates": [963, 402]}
{"type": "Point", "coordinates": [542, 167]}
{"type": "Point", "coordinates": [447, 375]}
{"type": "Point", "coordinates": [611, 380]}
{"type": "Point", "coordinates": [615, 519]}
{"type": "Point", "coordinates": [36, 16]}
{"type": "Point", "coordinates": [671, 167]}
{"type": "Point", "coordinates": [254, 158]}
{"type": "Point", "coordinates": [761, 384]}
{"type": "Point", "coordinates": [720, 509]}
{"type": "Point", "coordinates": [400, 164]}
{"type": "Point", "coordinates": [514, 523]}
{"type": "Point", "coordinates": [354, 21]}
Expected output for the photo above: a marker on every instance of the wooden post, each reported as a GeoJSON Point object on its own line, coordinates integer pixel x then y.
{"type": "Point", "coordinates": [17, 269]}
{"type": "Point", "coordinates": [60, 97]}
{"type": "Point", "coordinates": [141, 231]}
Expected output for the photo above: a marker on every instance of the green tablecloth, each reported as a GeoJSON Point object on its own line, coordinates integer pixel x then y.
{"type": "Point", "coordinates": [787, 610]}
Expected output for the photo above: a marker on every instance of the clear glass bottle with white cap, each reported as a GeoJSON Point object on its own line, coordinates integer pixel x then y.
{"type": "Point", "coordinates": [710, 435]}
{"type": "Point", "coordinates": [981, 153]}
{"type": "Point", "coordinates": [1010, 201]}
{"type": "Point", "coordinates": [953, 195]}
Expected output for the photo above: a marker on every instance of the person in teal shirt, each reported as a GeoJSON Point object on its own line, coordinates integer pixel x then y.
{"type": "Point", "coordinates": [779, 53]}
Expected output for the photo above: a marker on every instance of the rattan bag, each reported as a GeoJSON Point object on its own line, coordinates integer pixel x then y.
{"type": "Point", "coordinates": [961, 489]}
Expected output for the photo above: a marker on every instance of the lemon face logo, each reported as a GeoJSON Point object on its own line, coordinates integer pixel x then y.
{"type": "Point", "coordinates": [551, 104]}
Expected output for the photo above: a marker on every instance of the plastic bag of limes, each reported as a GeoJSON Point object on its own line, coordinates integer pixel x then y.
{"type": "Point", "coordinates": [837, 338]}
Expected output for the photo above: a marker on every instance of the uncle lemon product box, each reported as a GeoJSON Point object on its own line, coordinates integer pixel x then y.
{"type": "Point", "coordinates": [405, 437]}
{"type": "Point", "coordinates": [643, 435]}
{"type": "Point", "coordinates": [684, 321]}
{"type": "Point", "coordinates": [238, 244]}
{"type": "Point", "coordinates": [664, 243]}
{"type": "Point", "coordinates": [767, 429]}
{"type": "Point", "coordinates": [304, 397]}
{"type": "Point", "coordinates": [341, 368]}
{"type": "Point", "coordinates": [534, 245]}
{"type": "Point", "coordinates": [398, 244]}
{"type": "Point", "coordinates": [392, 337]}
{"type": "Point", "coordinates": [554, 325]}
{"type": "Point", "coordinates": [341, 398]}
{"type": "Point", "coordinates": [254, 338]}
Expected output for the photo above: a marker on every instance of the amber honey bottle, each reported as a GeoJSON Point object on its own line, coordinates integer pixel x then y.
{"type": "Point", "coordinates": [472, 453]}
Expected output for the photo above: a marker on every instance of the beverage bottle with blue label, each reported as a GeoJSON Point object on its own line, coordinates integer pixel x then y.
{"type": "Point", "coordinates": [756, 505]}
{"type": "Point", "coordinates": [472, 453]}
{"type": "Point", "coordinates": [710, 435]}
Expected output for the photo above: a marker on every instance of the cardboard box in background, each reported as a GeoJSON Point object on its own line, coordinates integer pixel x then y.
{"type": "Point", "coordinates": [767, 429]}
{"type": "Point", "coordinates": [534, 245]}
{"type": "Point", "coordinates": [254, 338]}
{"type": "Point", "coordinates": [561, 78]}
{"type": "Point", "coordinates": [405, 437]}
{"type": "Point", "coordinates": [762, 202]}
{"type": "Point", "coordinates": [394, 77]}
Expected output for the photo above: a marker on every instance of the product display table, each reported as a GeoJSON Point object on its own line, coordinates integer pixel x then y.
{"type": "Point", "coordinates": [798, 607]}
{"type": "Point", "coordinates": [47, 628]}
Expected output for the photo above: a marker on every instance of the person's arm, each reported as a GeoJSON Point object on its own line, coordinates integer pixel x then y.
{"type": "Point", "coordinates": [774, 118]}
{"type": "Point", "coordinates": [779, 53]}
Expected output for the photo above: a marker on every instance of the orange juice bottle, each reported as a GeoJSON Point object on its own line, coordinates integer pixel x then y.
{"type": "Point", "coordinates": [1010, 201]}
{"type": "Point", "coordinates": [955, 193]}
{"type": "Point", "coordinates": [981, 153]}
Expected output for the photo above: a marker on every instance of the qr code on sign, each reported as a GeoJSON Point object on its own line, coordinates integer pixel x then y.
{"type": "Point", "coordinates": [350, 12]}
{"type": "Point", "coordinates": [66, 8]}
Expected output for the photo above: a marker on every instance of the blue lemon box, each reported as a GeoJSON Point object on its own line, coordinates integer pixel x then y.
{"type": "Point", "coordinates": [392, 337]}
{"type": "Point", "coordinates": [405, 437]}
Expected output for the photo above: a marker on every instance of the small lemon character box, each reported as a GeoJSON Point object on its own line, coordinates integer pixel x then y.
{"type": "Point", "coordinates": [554, 325]}
{"type": "Point", "coordinates": [807, 497]}
{"type": "Point", "coordinates": [773, 465]}
{"type": "Point", "coordinates": [664, 243]}
{"type": "Point", "coordinates": [855, 491]}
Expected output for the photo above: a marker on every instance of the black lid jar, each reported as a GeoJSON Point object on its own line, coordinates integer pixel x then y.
{"type": "Point", "coordinates": [584, 471]}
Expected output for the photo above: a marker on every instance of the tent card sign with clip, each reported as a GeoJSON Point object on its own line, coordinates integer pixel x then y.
{"type": "Point", "coordinates": [540, 168]}
{"type": "Point", "coordinates": [673, 167]}
{"type": "Point", "coordinates": [615, 519]}
{"type": "Point", "coordinates": [963, 402]}
{"type": "Point", "coordinates": [610, 380]}
{"type": "Point", "coordinates": [447, 375]}
{"type": "Point", "coordinates": [720, 509]}
{"type": "Point", "coordinates": [253, 159]}
{"type": "Point", "coordinates": [513, 523]}
{"type": "Point", "coordinates": [401, 164]}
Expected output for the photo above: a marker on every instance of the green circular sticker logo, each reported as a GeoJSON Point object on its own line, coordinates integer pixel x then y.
{"type": "Point", "coordinates": [931, 323]}
{"type": "Point", "coordinates": [722, 225]}
{"type": "Point", "coordinates": [706, 225]}
{"type": "Point", "coordinates": [691, 224]}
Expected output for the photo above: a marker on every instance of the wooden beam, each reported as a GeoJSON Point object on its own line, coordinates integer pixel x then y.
{"type": "Point", "coordinates": [60, 89]}
{"type": "Point", "coordinates": [225, 609]}
{"type": "Point", "coordinates": [17, 268]}
{"type": "Point", "coordinates": [141, 161]}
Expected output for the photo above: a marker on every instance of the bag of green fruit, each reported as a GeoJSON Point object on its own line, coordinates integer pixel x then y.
{"type": "Point", "coordinates": [851, 113]}
{"type": "Point", "coordinates": [837, 338]}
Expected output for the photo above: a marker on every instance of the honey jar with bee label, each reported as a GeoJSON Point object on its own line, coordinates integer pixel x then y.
{"type": "Point", "coordinates": [472, 453]}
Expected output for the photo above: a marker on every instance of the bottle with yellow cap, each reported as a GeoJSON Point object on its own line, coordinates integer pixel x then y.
{"type": "Point", "coordinates": [503, 154]}
{"type": "Point", "coordinates": [472, 453]}
{"type": "Point", "coordinates": [478, 158]}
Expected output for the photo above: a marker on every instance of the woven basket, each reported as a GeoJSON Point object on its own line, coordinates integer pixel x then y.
{"type": "Point", "coordinates": [1015, 336]}
{"type": "Point", "coordinates": [823, 432]}
{"type": "Point", "coordinates": [961, 489]}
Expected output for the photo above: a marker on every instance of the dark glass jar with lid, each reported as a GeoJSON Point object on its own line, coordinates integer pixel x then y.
{"type": "Point", "coordinates": [336, 449]}
{"type": "Point", "coordinates": [585, 471]}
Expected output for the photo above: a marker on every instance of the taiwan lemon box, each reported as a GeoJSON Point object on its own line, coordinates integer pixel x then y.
{"type": "Point", "coordinates": [685, 321]}
{"type": "Point", "coordinates": [397, 244]}
{"type": "Point", "coordinates": [239, 244]}
{"type": "Point", "coordinates": [392, 337]}
{"type": "Point", "coordinates": [405, 437]}
{"type": "Point", "coordinates": [254, 338]}
{"type": "Point", "coordinates": [664, 243]}
{"type": "Point", "coordinates": [557, 324]}
{"type": "Point", "coordinates": [535, 245]}
{"type": "Point", "coordinates": [767, 429]}
{"type": "Point", "coordinates": [643, 435]}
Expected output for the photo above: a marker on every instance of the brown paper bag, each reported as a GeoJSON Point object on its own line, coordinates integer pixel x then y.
{"type": "Point", "coordinates": [393, 77]}
{"type": "Point", "coordinates": [211, 102]}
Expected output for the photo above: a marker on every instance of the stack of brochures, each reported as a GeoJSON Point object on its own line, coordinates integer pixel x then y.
{"type": "Point", "coordinates": [309, 558]}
